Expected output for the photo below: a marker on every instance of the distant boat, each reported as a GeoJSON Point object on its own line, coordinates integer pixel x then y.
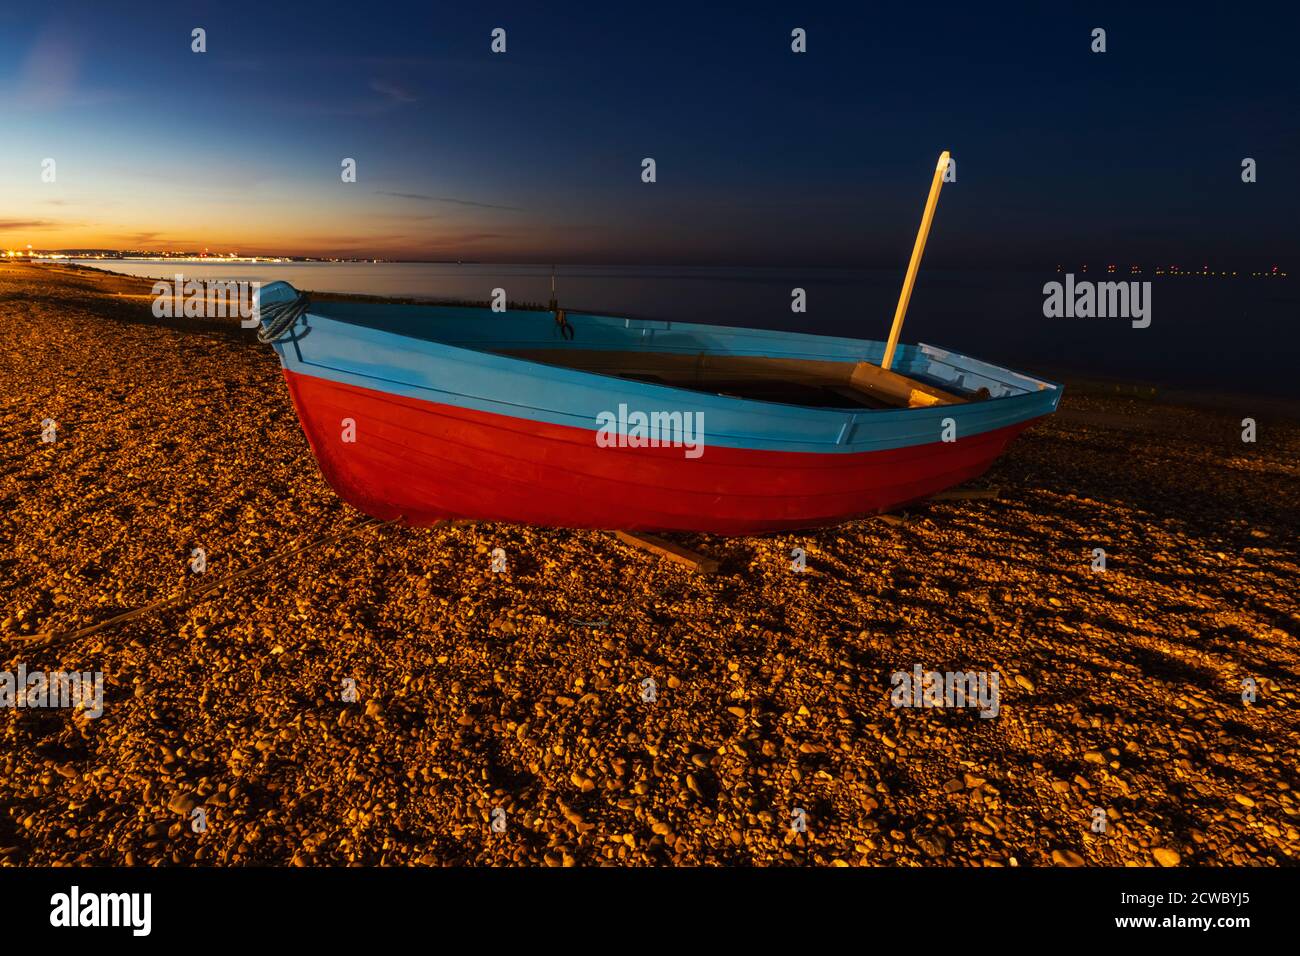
{"type": "Point", "coordinates": [423, 413]}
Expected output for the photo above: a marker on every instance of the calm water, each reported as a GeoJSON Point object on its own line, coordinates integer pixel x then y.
{"type": "Point", "coordinates": [1222, 334]}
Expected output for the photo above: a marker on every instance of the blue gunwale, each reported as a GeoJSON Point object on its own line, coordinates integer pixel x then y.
{"type": "Point", "coordinates": [447, 355]}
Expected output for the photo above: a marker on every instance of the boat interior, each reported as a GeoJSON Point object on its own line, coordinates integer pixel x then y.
{"type": "Point", "coordinates": [824, 372]}
{"type": "Point", "coordinates": [807, 382]}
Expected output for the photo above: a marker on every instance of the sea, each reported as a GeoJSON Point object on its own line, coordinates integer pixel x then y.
{"type": "Point", "coordinates": [1212, 333]}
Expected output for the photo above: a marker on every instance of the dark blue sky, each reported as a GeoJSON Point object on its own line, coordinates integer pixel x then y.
{"type": "Point", "coordinates": [764, 156]}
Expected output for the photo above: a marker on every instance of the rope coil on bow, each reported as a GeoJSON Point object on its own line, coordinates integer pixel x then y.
{"type": "Point", "coordinates": [279, 317]}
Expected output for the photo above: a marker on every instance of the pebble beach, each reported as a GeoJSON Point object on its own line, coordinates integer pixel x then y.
{"type": "Point", "coordinates": [377, 695]}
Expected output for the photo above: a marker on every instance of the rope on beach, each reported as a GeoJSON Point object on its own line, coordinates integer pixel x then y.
{"type": "Point", "coordinates": [279, 317]}
{"type": "Point", "coordinates": [192, 595]}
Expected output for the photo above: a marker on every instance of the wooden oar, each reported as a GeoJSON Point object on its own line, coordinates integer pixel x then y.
{"type": "Point", "coordinates": [915, 264]}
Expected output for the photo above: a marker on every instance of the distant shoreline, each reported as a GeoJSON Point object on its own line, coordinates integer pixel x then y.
{"type": "Point", "coordinates": [1111, 272]}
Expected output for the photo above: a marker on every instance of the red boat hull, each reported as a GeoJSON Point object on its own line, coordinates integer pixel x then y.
{"type": "Point", "coordinates": [423, 462]}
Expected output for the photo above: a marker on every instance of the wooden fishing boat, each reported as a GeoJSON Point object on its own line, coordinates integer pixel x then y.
{"type": "Point", "coordinates": [426, 413]}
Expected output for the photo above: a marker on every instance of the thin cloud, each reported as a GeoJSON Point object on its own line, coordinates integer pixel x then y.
{"type": "Point", "coordinates": [421, 197]}
{"type": "Point", "coordinates": [157, 238]}
{"type": "Point", "coordinates": [477, 236]}
{"type": "Point", "coordinates": [32, 224]}
{"type": "Point", "coordinates": [395, 92]}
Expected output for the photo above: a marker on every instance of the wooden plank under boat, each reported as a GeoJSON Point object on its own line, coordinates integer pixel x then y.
{"type": "Point", "coordinates": [461, 413]}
